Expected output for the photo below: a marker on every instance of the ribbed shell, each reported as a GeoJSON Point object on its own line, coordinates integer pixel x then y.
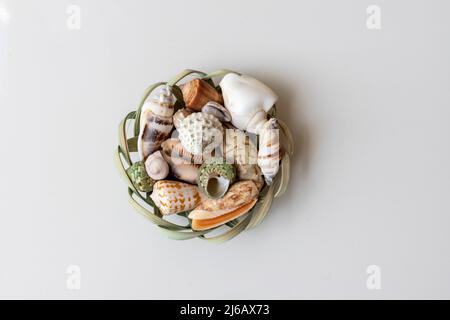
{"type": "Point", "coordinates": [174, 196]}
{"type": "Point", "coordinates": [200, 133]}
{"type": "Point", "coordinates": [269, 150]}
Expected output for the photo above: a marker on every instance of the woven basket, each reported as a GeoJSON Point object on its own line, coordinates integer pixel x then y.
{"type": "Point", "coordinates": [142, 202]}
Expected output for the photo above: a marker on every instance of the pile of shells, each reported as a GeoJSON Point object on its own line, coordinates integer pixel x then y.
{"type": "Point", "coordinates": [206, 151]}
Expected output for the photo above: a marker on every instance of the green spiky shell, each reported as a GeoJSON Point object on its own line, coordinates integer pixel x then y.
{"type": "Point", "coordinates": [214, 167]}
{"type": "Point", "coordinates": [139, 177]}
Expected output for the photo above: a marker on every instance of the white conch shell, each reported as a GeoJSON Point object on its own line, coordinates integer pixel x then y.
{"type": "Point", "coordinates": [156, 166]}
{"type": "Point", "coordinates": [200, 133]}
{"type": "Point", "coordinates": [155, 122]}
{"type": "Point", "coordinates": [174, 196]}
{"type": "Point", "coordinates": [248, 101]}
{"type": "Point", "coordinates": [269, 150]}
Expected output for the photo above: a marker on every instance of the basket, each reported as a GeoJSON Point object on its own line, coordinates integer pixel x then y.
{"type": "Point", "coordinates": [142, 202]}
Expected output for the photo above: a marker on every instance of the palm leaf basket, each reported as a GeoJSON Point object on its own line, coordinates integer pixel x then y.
{"type": "Point", "coordinates": [142, 202]}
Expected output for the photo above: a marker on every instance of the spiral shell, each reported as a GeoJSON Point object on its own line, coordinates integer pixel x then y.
{"type": "Point", "coordinates": [156, 166]}
{"type": "Point", "coordinates": [214, 178]}
{"type": "Point", "coordinates": [269, 150]}
{"type": "Point", "coordinates": [174, 197]}
{"type": "Point", "coordinates": [200, 133]}
{"type": "Point", "coordinates": [155, 122]}
{"type": "Point", "coordinates": [139, 177]}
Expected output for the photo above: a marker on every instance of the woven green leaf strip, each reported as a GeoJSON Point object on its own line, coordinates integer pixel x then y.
{"type": "Point", "coordinates": [145, 206]}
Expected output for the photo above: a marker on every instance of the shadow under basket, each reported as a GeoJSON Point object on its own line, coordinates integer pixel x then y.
{"type": "Point", "coordinates": [142, 202]}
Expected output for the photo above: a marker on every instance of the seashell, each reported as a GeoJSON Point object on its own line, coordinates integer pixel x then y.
{"type": "Point", "coordinates": [175, 154]}
{"type": "Point", "coordinates": [250, 172]}
{"type": "Point", "coordinates": [200, 133]}
{"type": "Point", "coordinates": [186, 172]}
{"type": "Point", "coordinates": [155, 122]}
{"type": "Point", "coordinates": [204, 224]}
{"type": "Point", "coordinates": [248, 101]}
{"type": "Point", "coordinates": [241, 197]}
{"type": "Point", "coordinates": [217, 110]}
{"type": "Point", "coordinates": [184, 165]}
{"type": "Point", "coordinates": [156, 166]}
{"type": "Point", "coordinates": [180, 115]}
{"type": "Point", "coordinates": [269, 150]}
{"type": "Point", "coordinates": [240, 148]}
{"type": "Point", "coordinates": [214, 178]}
{"type": "Point", "coordinates": [197, 92]}
{"type": "Point", "coordinates": [175, 197]}
{"type": "Point", "coordinates": [139, 177]}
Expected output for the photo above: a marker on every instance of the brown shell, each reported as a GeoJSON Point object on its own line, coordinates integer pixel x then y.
{"type": "Point", "coordinates": [197, 92]}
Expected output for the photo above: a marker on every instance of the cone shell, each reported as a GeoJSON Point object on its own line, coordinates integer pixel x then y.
{"type": "Point", "coordinates": [197, 93]}
{"type": "Point", "coordinates": [269, 150]}
{"type": "Point", "coordinates": [174, 197]}
{"type": "Point", "coordinates": [240, 194]}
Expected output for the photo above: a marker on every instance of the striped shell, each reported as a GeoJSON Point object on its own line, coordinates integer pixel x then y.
{"type": "Point", "coordinates": [156, 123]}
{"type": "Point", "coordinates": [174, 196]}
{"type": "Point", "coordinates": [269, 150]}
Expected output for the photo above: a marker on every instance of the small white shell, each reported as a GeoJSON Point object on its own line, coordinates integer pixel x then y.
{"type": "Point", "coordinates": [156, 167]}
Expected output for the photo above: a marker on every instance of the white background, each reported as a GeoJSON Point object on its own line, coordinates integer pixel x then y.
{"type": "Point", "coordinates": [369, 110]}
